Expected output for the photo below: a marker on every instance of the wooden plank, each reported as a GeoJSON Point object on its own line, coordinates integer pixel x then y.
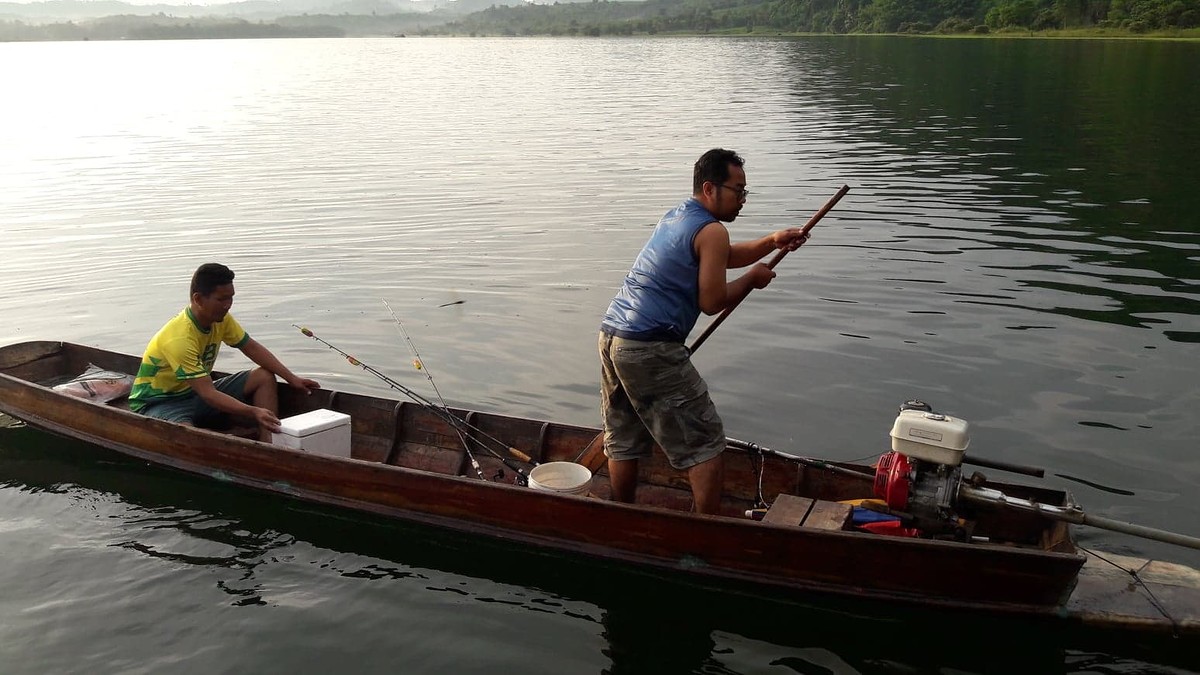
{"type": "Point", "coordinates": [804, 512]}
{"type": "Point", "coordinates": [593, 455]}
{"type": "Point", "coordinates": [370, 448]}
{"type": "Point", "coordinates": [1106, 593]}
{"type": "Point", "coordinates": [14, 356]}
{"type": "Point", "coordinates": [563, 443]}
{"type": "Point", "coordinates": [828, 516]}
{"type": "Point", "coordinates": [788, 510]}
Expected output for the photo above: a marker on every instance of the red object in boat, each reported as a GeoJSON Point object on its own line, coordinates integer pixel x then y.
{"type": "Point", "coordinates": [891, 480]}
{"type": "Point", "coordinates": [890, 527]}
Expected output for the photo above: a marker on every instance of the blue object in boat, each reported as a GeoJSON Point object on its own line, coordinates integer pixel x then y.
{"type": "Point", "coordinates": [861, 515]}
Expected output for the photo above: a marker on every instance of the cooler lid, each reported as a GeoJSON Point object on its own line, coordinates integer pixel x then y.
{"type": "Point", "coordinates": [312, 422]}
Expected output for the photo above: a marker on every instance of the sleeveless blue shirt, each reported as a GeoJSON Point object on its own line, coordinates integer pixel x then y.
{"type": "Point", "coordinates": [660, 297]}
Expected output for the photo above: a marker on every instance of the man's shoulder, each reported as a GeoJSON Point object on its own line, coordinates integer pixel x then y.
{"type": "Point", "coordinates": [181, 326]}
{"type": "Point", "coordinates": [712, 240]}
{"type": "Point", "coordinates": [230, 327]}
{"type": "Point", "coordinates": [172, 329]}
{"type": "Point", "coordinates": [174, 343]}
{"type": "Point", "coordinates": [682, 208]}
{"type": "Point", "coordinates": [690, 214]}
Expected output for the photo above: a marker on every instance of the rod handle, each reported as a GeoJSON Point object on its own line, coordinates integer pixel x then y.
{"type": "Point", "coordinates": [520, 455]}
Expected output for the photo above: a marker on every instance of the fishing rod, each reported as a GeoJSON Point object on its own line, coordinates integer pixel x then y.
{"type": "Point", "coordinates": [1034, 471]}
{"type": "Point", "coordinates": [1025, 470]}
{"type": "Point", "coordinates": [806, 461]}
{"type": "Point", "coordinates": [429, 376]}
{"type": "Point", "coordinates": [799, 459]}
{"type": "Point", "coordinates": [417, 361]}
{"type": "Point", "coordinates": [420, 365]}
{"type": "Point", "coordinates": [445, 415]}
{"type": "Point", "coordinates": [754, 448]}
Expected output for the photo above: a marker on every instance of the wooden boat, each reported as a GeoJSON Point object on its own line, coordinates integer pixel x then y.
{"type": "Point", "coordinates": [408, 462]}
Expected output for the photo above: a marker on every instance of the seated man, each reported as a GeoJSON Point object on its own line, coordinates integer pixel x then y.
{"type": "Point", "coordinates": [174, 381]}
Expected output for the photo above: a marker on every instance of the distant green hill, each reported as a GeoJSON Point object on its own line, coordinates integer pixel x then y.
{"type": "Point", "coordinates": [602, 17]}
{"type": "Point", "coordinates": [75, 10]}
{"type": "Point", "coordinates": [77, 19]}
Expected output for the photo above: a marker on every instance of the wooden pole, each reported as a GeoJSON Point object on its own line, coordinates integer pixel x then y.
{"type": "Point", "coordinates": [774, 261]}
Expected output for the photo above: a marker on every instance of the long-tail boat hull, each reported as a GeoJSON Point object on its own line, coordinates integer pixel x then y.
{"type": "Point", "coordinates": [408, 462]}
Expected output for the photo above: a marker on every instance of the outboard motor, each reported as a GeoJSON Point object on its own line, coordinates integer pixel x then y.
{"type": "Point", "coordinates": [922, 473]}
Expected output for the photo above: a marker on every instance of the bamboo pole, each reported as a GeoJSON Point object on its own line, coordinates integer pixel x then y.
{"type": "Point", "coordinates": [774, 261]}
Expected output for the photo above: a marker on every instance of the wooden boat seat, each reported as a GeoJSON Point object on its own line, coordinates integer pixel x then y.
{"type": "Point", "coordinates": [813, 513]}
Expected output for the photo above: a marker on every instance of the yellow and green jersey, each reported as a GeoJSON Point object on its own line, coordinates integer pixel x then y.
{"type": "Point", "coordinates": [179, 352]}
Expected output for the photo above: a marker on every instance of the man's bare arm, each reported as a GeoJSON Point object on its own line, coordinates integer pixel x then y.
{"type": "Point", "coordinates": [208, 392]}
{"type": "Point", "coordinates": [256, 352]}
{"type": "Point", "coordinates": [714, 251]}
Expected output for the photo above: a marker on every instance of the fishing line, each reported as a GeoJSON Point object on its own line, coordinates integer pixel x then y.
{"type": "Point", "coordinates": [450, 418]}
{"type": "Point", "coordinates": [446, 416]}
{"type": "Point", "coordinates": [420, 365]}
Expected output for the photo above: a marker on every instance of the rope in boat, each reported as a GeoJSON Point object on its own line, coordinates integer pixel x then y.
{"type": "Point", "coordinates": [1133, 573]}
{"type": "Point", "coordinates": [467, 428]}
{"type": "Point", "coordinates": [759, 468]}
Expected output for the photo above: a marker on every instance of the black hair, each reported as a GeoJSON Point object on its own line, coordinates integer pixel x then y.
{"type": "Point", "coordinates": [210, 275]}
{"type": "Point", "coordinates": [713, 167]}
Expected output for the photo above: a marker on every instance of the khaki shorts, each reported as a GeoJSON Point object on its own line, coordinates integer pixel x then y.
{"type": "Point", "coordinates": [650, 392]}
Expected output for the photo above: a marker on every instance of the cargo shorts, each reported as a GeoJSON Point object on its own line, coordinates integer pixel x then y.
{"type": "Point", "coordinates": [651, 393]}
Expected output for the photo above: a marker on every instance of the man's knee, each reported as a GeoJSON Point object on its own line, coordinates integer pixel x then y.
{"type": "Point", "coordinates": [259, 377]}
{"type": "Point", "coordinates": [709, 463]}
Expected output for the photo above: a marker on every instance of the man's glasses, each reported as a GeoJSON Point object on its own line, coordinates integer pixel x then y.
{"type": "Point", "coordinates": [742, 194]}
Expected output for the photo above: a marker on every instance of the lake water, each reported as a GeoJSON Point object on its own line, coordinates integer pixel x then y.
{"type": "Point", "coordinates": [1019, 248]}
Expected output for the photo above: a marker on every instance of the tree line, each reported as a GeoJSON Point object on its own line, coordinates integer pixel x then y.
{"type": "Point", "coordinates": [604, 17]}
{"type": "Point", "coordinates": [650, 17]}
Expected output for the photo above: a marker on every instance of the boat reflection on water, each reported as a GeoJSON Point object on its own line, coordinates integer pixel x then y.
{"type": "Point", "coordinates": [646, 622]}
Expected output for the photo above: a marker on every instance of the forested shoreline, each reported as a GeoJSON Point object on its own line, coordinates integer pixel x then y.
{"type": "Point", "coordinates": [601, 17]}
{"type": "Point", "coordinates": [1077, 18]}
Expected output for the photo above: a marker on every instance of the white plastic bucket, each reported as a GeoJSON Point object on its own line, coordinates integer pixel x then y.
{"type": "Point", "coordinates": [562, 477]}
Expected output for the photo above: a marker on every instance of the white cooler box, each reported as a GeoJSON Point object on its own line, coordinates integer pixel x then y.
{"type": "Point", "coordinates": [323, 431]}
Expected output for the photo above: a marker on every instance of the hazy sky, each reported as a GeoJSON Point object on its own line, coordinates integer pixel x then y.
{"type": "Point", "coordinates": [139, 2]}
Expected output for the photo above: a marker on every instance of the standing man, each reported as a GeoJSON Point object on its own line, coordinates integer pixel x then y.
{"type": "Point", "coordinates": [174, 381]}
{"type": "Point", "coordinates": [650, 391]}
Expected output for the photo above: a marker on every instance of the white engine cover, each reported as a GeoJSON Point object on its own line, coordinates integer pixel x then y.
{"type": "Point", "coordinates": [930, 437]}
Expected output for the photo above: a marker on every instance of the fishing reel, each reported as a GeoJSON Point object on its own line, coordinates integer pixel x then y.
{"type": "Point", "coordinates": [921, 476]}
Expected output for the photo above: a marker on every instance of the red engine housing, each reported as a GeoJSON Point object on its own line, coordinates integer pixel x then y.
{"type": "Point", "coordinates": [892, 480]}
